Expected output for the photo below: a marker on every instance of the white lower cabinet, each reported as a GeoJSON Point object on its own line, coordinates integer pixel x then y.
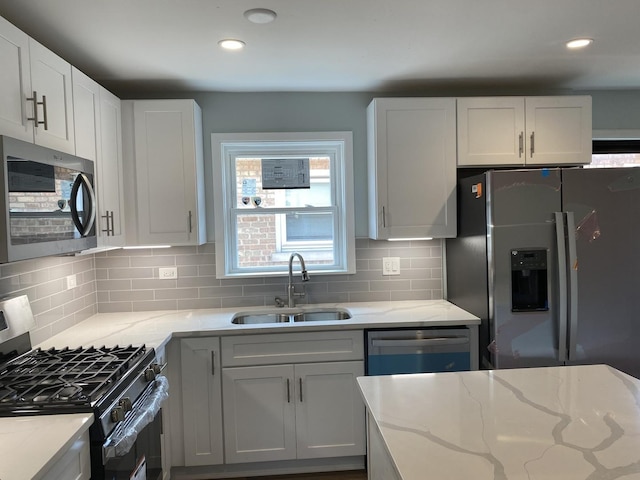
{"type": "Point", "coordinates": [292, 396]}
{"type": "Point", "coordinates": [75, 463]}
{"type": "Point", "coordinates": [285, 412]}
{"type": "Point", "coordinates": [201, 401]}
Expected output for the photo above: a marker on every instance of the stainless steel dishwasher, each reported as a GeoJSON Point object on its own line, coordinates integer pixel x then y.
{"type": "Point", "coordinates": [446, 349]}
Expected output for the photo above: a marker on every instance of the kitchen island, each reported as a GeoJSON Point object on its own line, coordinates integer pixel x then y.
{"type": "Point", "coordinates": [577, 422]}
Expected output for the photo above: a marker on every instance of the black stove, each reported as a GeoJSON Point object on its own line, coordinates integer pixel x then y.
{"type": "Point", "coordinates": [66, 380]}
{"type": "Point", "coordinates": [120, 385]}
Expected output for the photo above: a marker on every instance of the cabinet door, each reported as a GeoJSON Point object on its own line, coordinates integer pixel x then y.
{"type": "Point", "coordinates": [330, 413]}
{"type": "Point", "coordinates": [259, 414]}
{"type": "Point", "coordinates": [168, 159]}
{"type": "Point", "coordinates": [201, 401]}
{"type": "Point", "coordinates": [412, 167]}
{"type": "Point", "coordinates": [558, 130]}
{"type": "Point", "coordinates": [110, 172]}
{"type": "Point", "coordinates": [51, 78]}
{"type": "Point", "coordinates": [491, 131]}
{"type": "Point", "coordinates": [86, 115]}
{"type": "Point", "coordinates": [15, 83]}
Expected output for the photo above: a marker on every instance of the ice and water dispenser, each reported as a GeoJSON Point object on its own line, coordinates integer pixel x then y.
{"type": "Point", "coordinates": [529, 289]}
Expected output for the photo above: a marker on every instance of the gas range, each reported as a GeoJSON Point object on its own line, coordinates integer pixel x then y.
{"type": "Point", "coordinates": [120, 385]}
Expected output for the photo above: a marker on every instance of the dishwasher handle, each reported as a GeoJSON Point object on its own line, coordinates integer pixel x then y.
{"type": "Point", "coordinates": [419, 342]}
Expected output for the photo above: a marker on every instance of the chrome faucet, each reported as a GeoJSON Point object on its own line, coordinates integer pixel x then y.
{"type": "Point", "coordinates": [291, 291]}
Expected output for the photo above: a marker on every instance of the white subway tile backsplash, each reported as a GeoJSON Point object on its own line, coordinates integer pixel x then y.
{"type": "Point", "coordinates": [196, 284]}
{"type": "Point", "coordinates": [127, 281]}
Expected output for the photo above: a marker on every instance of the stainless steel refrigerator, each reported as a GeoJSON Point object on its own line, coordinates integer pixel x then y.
{"type": "Point", "coordinates": [549, 259]}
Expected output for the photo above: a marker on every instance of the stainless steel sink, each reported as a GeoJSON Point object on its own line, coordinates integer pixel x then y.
{"type": "Point", "coordinates": [311, 315]}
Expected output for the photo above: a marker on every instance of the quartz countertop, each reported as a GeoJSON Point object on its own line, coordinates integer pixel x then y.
{"type": "Point", "coordinates": [30, 446]}
{"type": "Point", "coordinates": [48, 436]}
{"type": "Point", "coordinates": [569, 423]}
{"type": "Point", "coordinates": [156, 328]}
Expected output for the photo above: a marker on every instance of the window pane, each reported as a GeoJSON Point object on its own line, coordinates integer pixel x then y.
{"type": "Point", "coordinates": [259, 245]}
{"type": "Point", "coordinates": [249, 186]}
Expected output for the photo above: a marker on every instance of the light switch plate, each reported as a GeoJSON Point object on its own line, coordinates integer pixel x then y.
{"type": "Point", "coordinates": [391, 266]}
{"type": "Point", "coordinates": [71, 282]}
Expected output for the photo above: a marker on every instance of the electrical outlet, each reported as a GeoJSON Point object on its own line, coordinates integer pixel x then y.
{"type": "Point", "coordinates": [71, 282]}
{"type": "Point", "coordinates": [168, 273]}
{"type": "Point", "coordinates": [391, 266]}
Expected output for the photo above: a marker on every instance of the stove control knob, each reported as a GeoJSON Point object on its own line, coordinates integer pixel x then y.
{"type": "Point", "coordinates": [149, 374]}
{"type": "Point", "coordinates": [117, 414]}
{"type": "Point", "coordinates": [126, 404]}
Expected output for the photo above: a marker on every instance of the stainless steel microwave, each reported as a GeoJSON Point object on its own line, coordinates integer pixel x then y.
{"type": "Point", "coordinates": [48, 202]}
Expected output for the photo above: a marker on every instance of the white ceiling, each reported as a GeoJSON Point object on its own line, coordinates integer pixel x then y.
{"type": "Point", "coordinates": [340, 45]}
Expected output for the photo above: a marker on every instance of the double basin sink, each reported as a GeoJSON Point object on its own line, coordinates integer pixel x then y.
{"type": "Point", "coordinates": [286, 315]}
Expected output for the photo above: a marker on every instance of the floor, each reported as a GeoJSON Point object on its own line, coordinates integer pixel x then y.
{"type": "Point", "coordinates": [353, 475]}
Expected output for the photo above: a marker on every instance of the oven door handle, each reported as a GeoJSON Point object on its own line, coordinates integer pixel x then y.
{"type": "Point", "coordinates": [144, 412]}
{"type": "Point", "coordinates": [420, 342]}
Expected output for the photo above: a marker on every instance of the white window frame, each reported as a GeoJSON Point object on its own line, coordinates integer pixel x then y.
{"type": "Point", "coordinates": [225, 147]}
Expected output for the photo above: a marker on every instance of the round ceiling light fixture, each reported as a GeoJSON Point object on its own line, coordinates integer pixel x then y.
{"type": "Point", "coordinates": [579, 43]}
{"type": "Point", "coordinates": [260, 15]}
{"type": "Point", "coordinates": [231, 44]}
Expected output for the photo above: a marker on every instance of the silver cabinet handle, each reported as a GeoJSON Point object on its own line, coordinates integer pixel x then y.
{"type": "Point", "coordinates": [520, 144]}
{"type": "Point", "coordinates": [35, 118]}
{"type": "Point", "coordinates": [384, 218]}
{"type": "Point", "coordinates": [44, 112]}
{"type": "Point", "coordinates": [532, 143]}
{"type": "Point", "coordinates": [111, 229]}
{"type": "Point", "coordinates": [300, 383]}
{"type": "Point", "coordinates": [419, 342]}
{"type": "Point", "coordinates": [213, 363]}
{"type": "Point", "coordinates": [190, 222]}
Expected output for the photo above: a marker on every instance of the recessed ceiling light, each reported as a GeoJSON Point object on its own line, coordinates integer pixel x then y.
{"type": "Point", "coordinates": [260, 15]}
{"type": "Point", "coordinates": [231, 44]}
{"type": "Point", "coordinates": [579, 43]}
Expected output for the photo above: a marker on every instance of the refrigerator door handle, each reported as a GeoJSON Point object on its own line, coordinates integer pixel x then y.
{"type": "Point", "coordinates": [573, 285]}
{"type": "Point", "coordinates": [562, 287]}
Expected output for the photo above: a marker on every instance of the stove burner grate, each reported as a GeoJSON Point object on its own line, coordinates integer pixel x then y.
{"type": "Point", "coordinates": [56, 377]}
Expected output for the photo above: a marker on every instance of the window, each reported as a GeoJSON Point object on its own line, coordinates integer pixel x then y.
{"type": "Point", "coordinates": [276, 194]}
{"type": "Point", "coordinates": [615, 153]}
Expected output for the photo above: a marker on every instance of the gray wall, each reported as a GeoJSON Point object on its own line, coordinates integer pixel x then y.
{"type": "Point", "coordinates": [128, 281]}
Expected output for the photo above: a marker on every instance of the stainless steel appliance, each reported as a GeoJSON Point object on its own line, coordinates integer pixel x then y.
{"type": "Point", "coordinates": [120, 385]}
{"type": "Point", "coordinates": [408, 350]}
{"type": "Point", "coordinates": [548, 260]}
{"type": "Point", "coordinates": [47, 205]}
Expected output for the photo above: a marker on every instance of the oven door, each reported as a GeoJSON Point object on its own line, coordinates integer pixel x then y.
{"type": "Point", "coordinates": [133, 450]}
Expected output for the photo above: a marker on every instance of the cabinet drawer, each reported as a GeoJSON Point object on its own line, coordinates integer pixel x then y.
{"type": "Point", "coordinates": [276, 348]}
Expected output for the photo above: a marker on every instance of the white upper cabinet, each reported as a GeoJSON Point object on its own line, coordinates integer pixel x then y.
{"type": "Point", "coordinates": [15, 83]}
{"type": "Point", "coordinates": [167, 159]}
{"type": "Point", "coordinates": [98, 137]}
{"type": "Point", "coordinates": [496, 131]}
{"type": "Point", "coordinates": [412, 167]}
{"type": "Point", "coordinates": [110, 173]}
{"type": "Point", "coordinates": [35, 92]}
{"type": "Point", "coordinates": [86, 115]}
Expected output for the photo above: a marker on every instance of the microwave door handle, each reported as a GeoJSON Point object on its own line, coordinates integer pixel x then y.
{"type": "Point", "coordinates": [562, 287]}
{"type": "Point", "coordinates": [80, 180]}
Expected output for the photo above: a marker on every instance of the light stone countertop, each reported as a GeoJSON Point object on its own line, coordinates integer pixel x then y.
{"type": "Point", "coordinates": [45, 437]}
{"type": "Point", "coordinates": [569, 423]}
{"type": "Point", "coordinates": [156, 328]}
{"type": "Point", "coordinates": [30, 446]}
